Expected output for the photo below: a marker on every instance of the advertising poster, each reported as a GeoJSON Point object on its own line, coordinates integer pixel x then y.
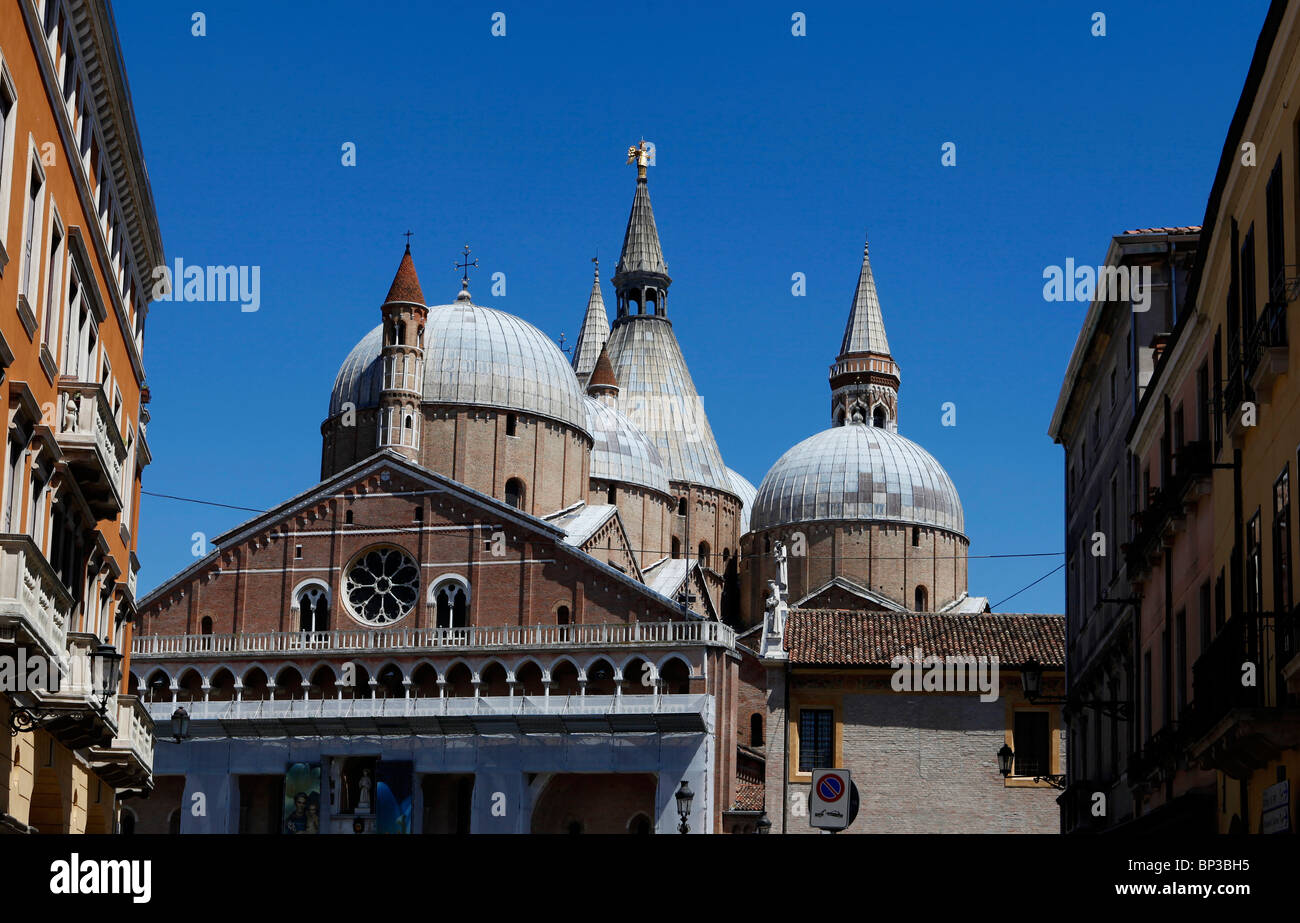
{"type": "Point", "coordinates": [302, 798]}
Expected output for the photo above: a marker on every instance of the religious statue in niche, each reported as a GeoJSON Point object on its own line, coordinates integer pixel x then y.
{"type": "Point", "coordinates": [363, 796]}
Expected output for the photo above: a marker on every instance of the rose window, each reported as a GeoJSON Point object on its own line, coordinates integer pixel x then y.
{"type": "Point", "coordinates": [382, 585]}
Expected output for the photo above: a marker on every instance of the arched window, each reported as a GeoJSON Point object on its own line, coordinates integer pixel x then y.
{"type": "Point", "coordinates": [639, 825]}
{"type": "Point", "coordinates": [515, 493]}
{"type": "Point", "coordinates": [916, 536]}
{"type": "Point", "coordinates": [347, 517]}
{"type": "Point", "coordinates": [512, 425]}
{"type": "Point", "coordinates": [922, 598]}
{"type": "Point", "coordinates": [451, 597]}
{"type": "Point", "coordinates": [704, 553]}
{"type": "Point", "coordinates": [681, 506]}
{"type": "Point", "coordinates": [611, 495]}
{"type": "Point", "coordinates": [401, 332]}
{"type": "Point", "coordinates": [205, 627]}
{"type": "Point", "coordinates": [756, 730]}
{"type": "Point", "coordinates": [562, 615]}
{"type": "Point", "coordinates": [313, 608]}
{"type": "Point", "coordinates": [878, 417]}
{"type": "Point", "coordinates": [408, 430]}
{"type": "Point", "coordinates": [677, 547]}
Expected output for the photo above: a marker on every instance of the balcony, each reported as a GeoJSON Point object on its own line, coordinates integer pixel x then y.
{"type": "Point", "coordinates": [1232, 726]}
{"type": "Point", "coordinates": [527, 714]}
{"type": "Point", "coordinates": [1266, 350]}
{"type": "Point", "coordinates": [88, 435]}
{"type": "Point", "coordinates": [1193, 470]}
{"type": "Point", "coordinates": [35, 606]}
{"type": "Point", "coordinates": [127, 762]}
{"type": "Point", "coordinates": [481, 638]}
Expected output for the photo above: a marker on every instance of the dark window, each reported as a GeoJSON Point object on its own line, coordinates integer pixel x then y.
{"type": "Point", "coordinates": [1220, 603]}
{"type": "Point", "coordinates": [512, 425]}
{"type": "Point", "coordinates": [297, 551]}
{"type": "Point", "coordinates": [1031, 743]}
{"type": "Point", "coordinates": [1113, 538]}
{"type": "Point", "coordinates": [1274, 229]}
{"type": "Point", "coordinates": [1180, 628]}
{"type": "Point", "coordinates": [515, 493]}
{"type": "Point", "coordinates": [1203, 402]}
{"type": "Point", "coordinates": [206, 625]}
{"type": "Point", "coordinates": [681, 506]}
{"type": "Point", "coordinates": [1218, 390]}
{"type": "Point", "coordinates": [916, 537]}
{"type": "Point", "coordinates": [1205, 607]}
{"type": "Point", "coordinates": [816, 739]}
{"type": "Point", "coordinates": [1282, 542]}
{"type": "Point", "coordinates": [347, 517]}
{"type": "Point", "coordinates": [756, 730]}
{"type": "Point", "coordinates": [452, 606]}
{"type": "Point", "coordinates": [611, 495]}
{"type": "Point", "coordinates": [562, 615]}
{"type": "Point", "coordinates": [921, 599]}
{"type": "Point", "coordinates": [1254, 566]}
{"type": "Point", "coordinates": [677, 547]}
{"type": "Point", "coordinates": [1166, 680]}
{"type": "Point", "coordinates": [1146, 696]}
{"type": "Point", "coordinates": [1249, 304]}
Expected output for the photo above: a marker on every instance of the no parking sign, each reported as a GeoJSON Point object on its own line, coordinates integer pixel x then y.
{"type": "Point", "coordinates": [834, 801]}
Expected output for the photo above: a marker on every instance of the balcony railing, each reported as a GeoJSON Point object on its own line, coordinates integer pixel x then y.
{"type": "Point", "coordinates": [128, 761]}
{"type": "Point", "coordinates": [1217, 676]}
{"type": "Point", "coordinates": [1266, 349]}
{"type": "Point", "coordinates": [88, 434]}
{"type": "Point", "coordinates": [453, 714]}
{"type": "Point", "coordinates": [35, 606]}
{"type": "Point", "coordinates": [482, 637]}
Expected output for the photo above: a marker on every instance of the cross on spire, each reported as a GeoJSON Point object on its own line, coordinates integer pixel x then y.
{"type": "Point", "coordinates": [465, 265]}
{"type": "Point", "coordinates": [407, 235]}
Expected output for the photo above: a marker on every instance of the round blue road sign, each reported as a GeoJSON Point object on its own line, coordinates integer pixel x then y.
{"type": "Point", "coordinates": [831, 787]}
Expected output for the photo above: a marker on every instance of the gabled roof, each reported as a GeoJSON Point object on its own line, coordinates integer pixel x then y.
{"type": "Point", "coordinates": [831, 637]}
{"type": "Point", "coordinates": [668, 575]}
{"type": "Point", "coordinates": [388, 459]}
{"type": "Point", "coordinates": [856, 589]}
{"type": "Point", "coordinates": [865, 331]}
{"type": "Point", "coordinates": [594, 333]}
{"type": "Point", "coordinates": [406, 284]}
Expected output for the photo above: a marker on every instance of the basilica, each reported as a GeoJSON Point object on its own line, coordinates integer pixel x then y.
{"type": "Point", "coordinates": [529, 595]}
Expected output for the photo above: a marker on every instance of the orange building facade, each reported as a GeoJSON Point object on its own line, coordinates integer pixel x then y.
{"type": "Point", "coordinates": [78, 240]}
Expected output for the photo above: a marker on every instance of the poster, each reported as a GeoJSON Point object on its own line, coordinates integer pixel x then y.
{"type": "Point", "coordinates": [393, 796]}
{"type": "Point", "coordinates": [302, 798]}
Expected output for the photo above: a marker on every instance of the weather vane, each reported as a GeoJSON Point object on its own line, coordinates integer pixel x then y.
{"type": "Point", "coordinates": [640, 153]}
{"type": "Point", "coordinates": [465, 265]}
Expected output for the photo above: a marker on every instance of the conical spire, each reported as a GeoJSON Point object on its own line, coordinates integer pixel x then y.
{"type": "Point", "coordinates": [602, 376]}
{"type": "Point", "coordinates": [594, 333]}
{"type": "Point", "coordinates": [406, 284]}
{"type": "Point", "coordinates": [642, 251]}
{"type": "Point", "coordinates": [865, 332]}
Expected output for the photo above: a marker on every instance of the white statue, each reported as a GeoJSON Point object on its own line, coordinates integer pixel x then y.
{"type": "Point", "coordinates": [363, 788]}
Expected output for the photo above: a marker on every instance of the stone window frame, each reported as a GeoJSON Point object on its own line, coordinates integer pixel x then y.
{"type": "Point", "coordinates": [1055, 757]}
{"type": "Point", "coordinates": [821, 701]}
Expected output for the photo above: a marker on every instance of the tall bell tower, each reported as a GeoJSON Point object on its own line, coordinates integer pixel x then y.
{"type": "Point", "coordinates": [402, 356]}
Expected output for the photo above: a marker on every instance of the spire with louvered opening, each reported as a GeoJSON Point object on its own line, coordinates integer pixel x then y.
{"type": "Point", "coordinates": [594, 333]}
{"type": "Point", "coordinates": [641, 279]}
{"type": "Point", "coordinates": [865, 378]}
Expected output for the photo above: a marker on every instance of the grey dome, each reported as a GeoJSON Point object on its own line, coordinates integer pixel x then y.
{"type": "Point", "coordinates": [621, 452]}
{"type": "Point", "coordinates": [746, 491]}
{"type": "Point", "coordinates": [475, 356]}
{"type": "Point", "coordinates": [857, 472]}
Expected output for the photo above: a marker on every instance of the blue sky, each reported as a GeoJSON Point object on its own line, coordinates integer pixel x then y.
{"type": "Point", "coordinates": [775, 155]}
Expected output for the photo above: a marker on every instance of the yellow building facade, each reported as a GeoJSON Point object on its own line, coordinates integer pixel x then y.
{"type": "Point", "coordinates": [78, 240]}
{"type": "Point", "coordinates": [1244, 722]}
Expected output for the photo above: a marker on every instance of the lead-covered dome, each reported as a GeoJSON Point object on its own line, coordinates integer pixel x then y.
{"type": "Point", "coordinates": [857, 472]}
{"type": "Point", "coordinates": [475, 356]}
{"type": "Point", "coordinates": [621, 452]}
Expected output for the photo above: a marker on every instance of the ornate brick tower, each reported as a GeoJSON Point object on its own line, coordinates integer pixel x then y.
{"type": "Point", "coordinates": [865, 377]}
{"type": "Point", "coordinates": [404, 314]}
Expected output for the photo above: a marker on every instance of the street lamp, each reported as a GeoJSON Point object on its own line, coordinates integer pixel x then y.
{"type": "Point", "coordinates": [764, 825]}
{"type": "Point", "coordinates": [684, 798]}
{"type": "Point", "coordinates": [1006, 760]}
{"type": "Point", "coordinates": [181, 724]}
{"type": "Point", "coordinates": [1031, 678]}
{"type": "Point", "coordinates": [108, 670]}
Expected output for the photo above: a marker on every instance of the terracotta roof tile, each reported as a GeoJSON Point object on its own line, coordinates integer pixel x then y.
{"type": "Point", "coordinates": [406, 284]}
{"type": "Point", "coordinates": [835, 637]}
{"type": "Point", "coordinates": [1184, 229]}
{"type": "Point", "coordinates": [603, 373]}
{"type": "Point", "coordinates": [749, 795]}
